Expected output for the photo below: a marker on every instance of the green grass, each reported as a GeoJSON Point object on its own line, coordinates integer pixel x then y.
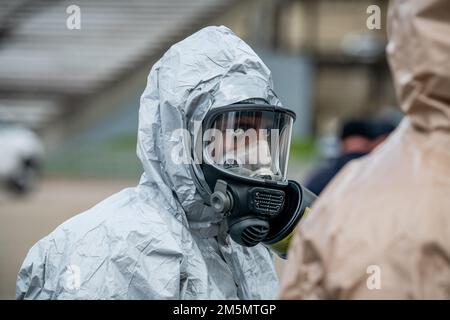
{"type": "Point", "coordinates": [303, 149]}
{"type": "Point", "coordinates": [116, 158]}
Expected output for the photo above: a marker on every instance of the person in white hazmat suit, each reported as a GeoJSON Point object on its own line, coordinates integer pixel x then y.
{"type": "Point", "coordinates": [159, 240]}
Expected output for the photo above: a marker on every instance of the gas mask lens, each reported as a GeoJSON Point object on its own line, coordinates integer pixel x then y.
{"type": "Point", "coordinates": [251, 144]}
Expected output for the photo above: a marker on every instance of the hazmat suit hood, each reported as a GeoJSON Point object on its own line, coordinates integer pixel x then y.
{"type": "Point", "coordinates": [381, 228]}
{"type": "Point", "coordinates": [159, 240]}
{"type": "Point", "coordinates": [419, 56]}
{"type": "Point", "coordinates": [210, 69]}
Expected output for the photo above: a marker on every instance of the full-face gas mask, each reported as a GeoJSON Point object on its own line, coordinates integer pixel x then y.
{"type": "Point", "coordinates": [245, 150]}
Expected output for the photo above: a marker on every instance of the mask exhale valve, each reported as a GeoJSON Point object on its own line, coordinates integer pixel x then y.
{"type": "Point", "coordinates": [262, 214]}
{"type": "Point", "coordinates": [220, 199]}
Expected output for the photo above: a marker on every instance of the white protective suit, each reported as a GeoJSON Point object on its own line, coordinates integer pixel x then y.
{"type": "Point", "coordinates": [158, 240]}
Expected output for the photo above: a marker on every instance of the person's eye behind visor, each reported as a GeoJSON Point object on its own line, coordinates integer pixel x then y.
{"type": "Point", "coordinates": [250, 143]}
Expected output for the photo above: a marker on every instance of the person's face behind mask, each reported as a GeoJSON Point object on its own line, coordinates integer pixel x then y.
{"type": "Point", "coordinates": [247, 144]}
{"type": "Point", "coordinates": [248, 156]}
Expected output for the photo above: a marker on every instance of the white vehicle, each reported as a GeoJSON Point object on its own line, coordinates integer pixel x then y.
{"type": "Point", "coordinates": [21, 155]}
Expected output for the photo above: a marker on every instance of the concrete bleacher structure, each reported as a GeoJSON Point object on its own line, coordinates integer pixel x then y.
{"type": "Point", "coordinates": [42, 61]}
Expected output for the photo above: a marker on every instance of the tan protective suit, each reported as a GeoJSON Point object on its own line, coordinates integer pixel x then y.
{"type": "Point", "coordinates": [382, 227]}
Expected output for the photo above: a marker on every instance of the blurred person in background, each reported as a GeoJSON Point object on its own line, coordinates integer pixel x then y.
{"type": "Point", "coordinates": [358, 138]}
{"type": "Point", "coordinates": [382, 227]}
{"type": "Point", "coordinates": [160, 240]}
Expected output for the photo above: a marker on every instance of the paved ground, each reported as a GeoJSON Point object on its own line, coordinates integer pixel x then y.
{"type": "Point", "coordinates": [23, 221]}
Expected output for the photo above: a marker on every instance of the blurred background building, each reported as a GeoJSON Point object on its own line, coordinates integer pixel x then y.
{"type": "Point", "coordinates": [79, 90]}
